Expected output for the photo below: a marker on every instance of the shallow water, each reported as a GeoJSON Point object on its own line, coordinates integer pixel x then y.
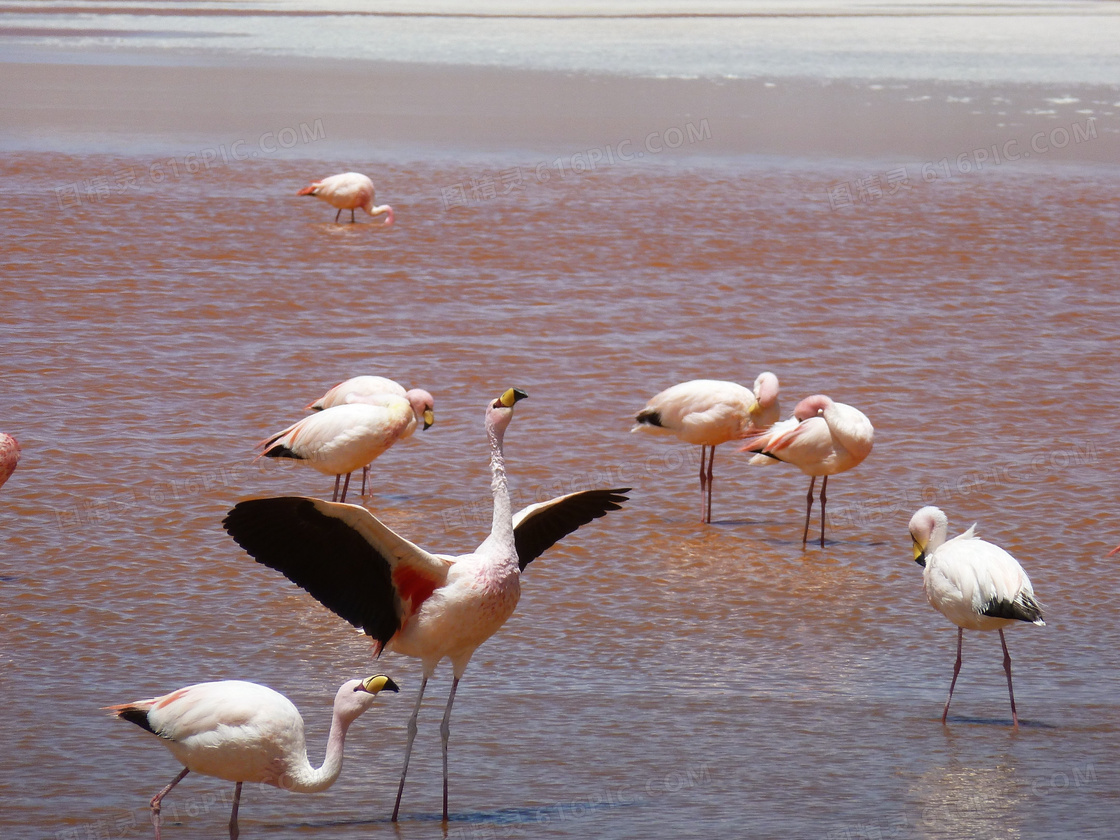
{"type": "Point", "coordinates": [659, 678]}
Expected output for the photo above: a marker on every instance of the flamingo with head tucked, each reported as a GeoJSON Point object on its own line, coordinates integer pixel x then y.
{"type": "Point", "coordinates": [429, 606]}
{"type": "Point", "coordinates": [244, 732]}
{"type": "Point", "coordinates": [822, 438]}
{"type": "Point", "coordinates": [9, 456]}
{"type": "Point", "coordinates": [973, 583]}
{"type": "Point", "coordinates": [339, 440]}
{"type": "Point", "coordinates": [371, 389]}
{"type": "Point", "coordinates": [708, 412]}
{"type": "Point", "coordinates": [348, 191]}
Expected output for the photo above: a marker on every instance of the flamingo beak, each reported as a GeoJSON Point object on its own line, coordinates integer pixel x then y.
{"type": "Point", "coordinates": [511, 396]}
{"type": "Point", "coordinates": [919, 554]}
{"type": "Point", "coordinates": [376, 683]}
{"type": "Point", "coordinates": [429, 418]}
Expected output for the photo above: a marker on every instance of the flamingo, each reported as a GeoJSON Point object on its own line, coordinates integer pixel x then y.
{"type": "Point", "coordinates": [9, 456]}
{"type": "Point", "coordinates": [708, 412]}
{"type": "Point", "coordinates": [357, 386]}
{"type": "Point", "coordinates": [822, 438]}
{"type": "Point", "coordinates": [428, 606]}
{"type": "Point", "coordinates": [348, 191]}
{"type": "Point", "coordinates": [338, 440]}
{"type": "Point", "coordinates": [973, 583]}
{"type": "Point", "coordinates": [370, 388]}
{"type": "Point", "coordinates": [244, 732]}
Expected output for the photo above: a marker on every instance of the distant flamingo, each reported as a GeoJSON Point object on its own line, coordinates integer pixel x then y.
{"type": "Point", "coordinates": [244, 732]}
{"type": "Point", "coordinates": [822, 438]}
{"type": "Point", "coordinates": [973, 583]}
{"type": "Point", "coordinates": [708, 412]}
{"type": "Point", "coordinates": [429, 606]}
{"type": "Point", "coordinates": [9, 456]}
{"type": "Point", "coordinates": [348, 191]}
{"type": "Point", "coordinates": [369, 388]}
{"type": "Point", "coordinates": [339, 440]}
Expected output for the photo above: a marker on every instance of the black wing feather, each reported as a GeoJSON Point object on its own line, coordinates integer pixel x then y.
{"type": "Point", "coordinates": [539, 531]}
{"type": "Point", "coordinates": [1024, 608]}
{"type": "Point", "coordinates": [323, 555]}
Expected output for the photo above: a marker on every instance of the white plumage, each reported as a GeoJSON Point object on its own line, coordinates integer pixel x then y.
{"type": "Point", "coordinates": [341, 439]}
{"type": "Point", "coordinates": [974, 583]}
{"type": "Point", "coordinates": [375, 390]}
{"type": "Point", "coordinates": [429, 606]}
{"type": "Point", "coordinates": [821, 439]}
{"type": "Point", "coordinates": [245, 732]}
{"type": "Point", "coordinates": [708, 412]}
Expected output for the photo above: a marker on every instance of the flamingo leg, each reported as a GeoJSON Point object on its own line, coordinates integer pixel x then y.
{"type": "Point", "coordinates": [351, 215]}
{"type": "Point", "coordinates": [365, 476]}
{"type": "Point", "coordinates": [808, 510]}
{"type": "Point", "coordinates": [336, 215]}
{"type": "Point", "coordinates": [445, 734]}
{"type": "Point", "coordinates": [233, 830]}
{"type": "Point", "coordinates": [1007, 668]}
{"type": "Point", "coordinates": [408, 746]}
{"type": "Point", "coordinates": [345, 487]}
{"type": "Point", "coordinates": [711, 464]}
{"type": "Point", "coordinates": [956, 670]}
{"type": "Point", "coordinates": [337, 479]}
{"type": "Point", "coordinates": [703, 482]}
{"type": "Point", "coordinates": [158, 798]}
{"type": "Point", "coordinates": [824, 484]}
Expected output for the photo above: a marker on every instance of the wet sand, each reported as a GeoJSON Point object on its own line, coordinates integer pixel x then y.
{"type": "Point", "coordinates": [348, 107]}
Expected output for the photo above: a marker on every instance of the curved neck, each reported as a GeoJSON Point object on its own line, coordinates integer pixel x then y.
{"type": "Point", "coordinates": [306, 779]}
{"type": "Point", "coordinates": [378, 210]}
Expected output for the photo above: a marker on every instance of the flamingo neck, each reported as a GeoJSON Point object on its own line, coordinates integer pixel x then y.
{"type": "Point", "coordinates": [307, 779]}
{"type": "Point", "coordinates": [501, 529]}
{"type": "Point", "coordinates": [379, 209]}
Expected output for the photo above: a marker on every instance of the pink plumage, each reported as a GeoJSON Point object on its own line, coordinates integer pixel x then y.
{"type": "Point", "coordinates": [9, 456]}
{"type": "Point", "coordinates": [822, 438]}
{"type": "Point", "coordinates": [348, 191]}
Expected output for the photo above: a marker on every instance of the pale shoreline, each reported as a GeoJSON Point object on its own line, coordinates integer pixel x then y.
{"type": "Point", "coordinates": [332, 108]}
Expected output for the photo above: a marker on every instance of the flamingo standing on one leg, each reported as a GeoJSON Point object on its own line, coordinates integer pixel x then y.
{"type": "Point", "coordinates": [973, 583]}
{"type": "Point", "coordinates": [708, 412]}
{"type": "Point", "coordinates": [429, 606]}
{"type": "Point", "coordinates": [367, 388]}
{"type": "Point", "coordinates": [348, 191]}
{"type": "Point", "coordinates": [244, 732]}
{"type": "Point", "coordinates": [341, 439]}
{"type": "Point", "coordinates": [9, 456]}
{"type": "Point", "coordinates": [822, 438]}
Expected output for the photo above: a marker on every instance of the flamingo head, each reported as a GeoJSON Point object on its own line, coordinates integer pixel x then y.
{"type": "Point", "coordinates": [356, 696]}
{"type": "Point", "coordinates": [766, 389]}
{"type": "Point", "coordinates": [813, 406]}
{"type": "Point", "coordinates": [927, 531]}
{"type": "Point", "coordinates": [423, 406]}
{"type": "Point", "coordinates": [500, 411]}
{"type": "Point", "coordinates": [387, 210]}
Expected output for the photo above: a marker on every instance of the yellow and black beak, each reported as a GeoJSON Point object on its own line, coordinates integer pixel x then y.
{"type": "Point", "coordinates": [511, 396]}
{"type": "Point", "coordinates": [378, 683]}
{"type": "Point", "coordinates": [919, 553]}
{"type": "Point", "coordinates": [429, 418]}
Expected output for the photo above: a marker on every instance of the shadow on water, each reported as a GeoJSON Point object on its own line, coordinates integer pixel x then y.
{"type": "Point", "coordinates": [536, 815]}
{"type": "Point", "coordinates": [1004, 722]}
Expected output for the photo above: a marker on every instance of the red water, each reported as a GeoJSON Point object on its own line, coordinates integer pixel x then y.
{"type": "Point", "coordinates": [660, 678]}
